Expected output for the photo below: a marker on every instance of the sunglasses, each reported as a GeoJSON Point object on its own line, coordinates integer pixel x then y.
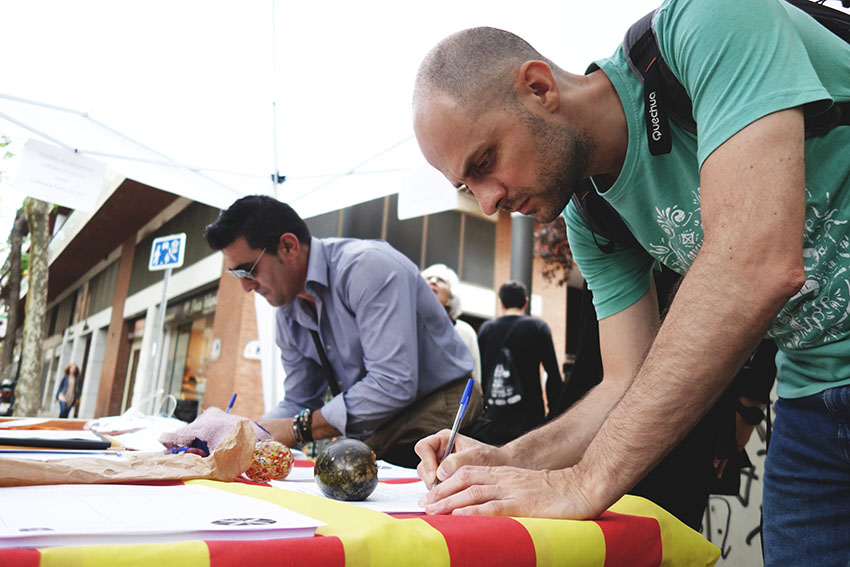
{"type": "Point", "coordinates": [248, 274]}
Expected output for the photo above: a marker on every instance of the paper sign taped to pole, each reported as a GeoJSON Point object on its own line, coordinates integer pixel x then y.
{"type": "Point", "coordinates": [59, 176]}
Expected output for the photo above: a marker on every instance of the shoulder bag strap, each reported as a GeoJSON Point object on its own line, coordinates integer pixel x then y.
{"type": "Point", "coordinates": [332, 382]}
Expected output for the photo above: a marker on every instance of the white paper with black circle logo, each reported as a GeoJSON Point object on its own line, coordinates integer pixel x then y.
{"type": "Point", "coordinates": [108, 514]}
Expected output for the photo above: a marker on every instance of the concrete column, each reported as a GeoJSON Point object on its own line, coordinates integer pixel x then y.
{"type": "Point", "coordinates": [235, 326]}
{"type": "Point", "coordinates": [144, 395]}
{"type": "Point", "coordinates": [117, 349]}
{"type": "Point", "coordinates": [94, 368]}
{"type": "Point", "coordinates": [49, 388]}
{"type": "Point", "coordinates": [522, 250]}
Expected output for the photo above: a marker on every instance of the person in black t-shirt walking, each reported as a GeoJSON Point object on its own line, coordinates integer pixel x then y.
{"type": "Point", "coordinates": [513, 347]}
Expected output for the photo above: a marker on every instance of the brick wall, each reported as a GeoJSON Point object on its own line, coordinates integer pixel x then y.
{"type": "Point", "coordinates": [235, 325]}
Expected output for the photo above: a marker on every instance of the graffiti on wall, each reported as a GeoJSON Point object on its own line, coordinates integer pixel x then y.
{"type": "Point", "coordinates": [733, 523]}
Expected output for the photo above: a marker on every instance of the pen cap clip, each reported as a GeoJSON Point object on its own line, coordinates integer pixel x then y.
{"type": "Point", "coordinates": [466, 392]}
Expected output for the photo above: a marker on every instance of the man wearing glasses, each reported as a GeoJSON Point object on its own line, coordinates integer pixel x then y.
{"type": "Point", "coordinates": [354, 316]}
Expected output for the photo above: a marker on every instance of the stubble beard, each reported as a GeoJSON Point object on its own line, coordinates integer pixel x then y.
{"type": "Point", "coordinates": [562, 162]}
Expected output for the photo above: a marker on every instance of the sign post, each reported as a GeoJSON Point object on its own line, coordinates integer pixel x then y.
{"type": "Point", "coordinates": [167, 252]}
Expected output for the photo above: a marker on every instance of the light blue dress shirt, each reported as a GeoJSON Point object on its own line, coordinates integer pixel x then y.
{"type": "Point", "coordinates": [389, 340]}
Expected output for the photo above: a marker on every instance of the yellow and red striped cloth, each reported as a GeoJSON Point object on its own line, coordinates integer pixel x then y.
{"type": "Point", "coordinates": [632, 533]}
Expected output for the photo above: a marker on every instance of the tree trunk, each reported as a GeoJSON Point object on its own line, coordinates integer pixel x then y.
{"type": "Point", "coordinates": [12, 292]}
{"type": "Point", "coordinates": [28, 390]}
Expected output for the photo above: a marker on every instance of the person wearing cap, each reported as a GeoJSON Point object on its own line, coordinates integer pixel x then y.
{"type": "Point", "coordinates": [514, 404]}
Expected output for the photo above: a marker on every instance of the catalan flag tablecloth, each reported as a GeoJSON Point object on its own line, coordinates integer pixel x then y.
{"type": "Point", "coordinates": [632, 533]}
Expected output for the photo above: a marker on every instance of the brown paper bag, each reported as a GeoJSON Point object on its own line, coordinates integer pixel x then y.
{"type": "Point", "coordinates": [230, 458]}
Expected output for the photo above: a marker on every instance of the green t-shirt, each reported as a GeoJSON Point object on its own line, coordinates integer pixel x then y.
{"type": "Point", "coordinates": [739, 61]}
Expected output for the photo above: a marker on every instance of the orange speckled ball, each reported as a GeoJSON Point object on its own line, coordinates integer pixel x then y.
{"type": "Point", "coordinates": [272, 461]}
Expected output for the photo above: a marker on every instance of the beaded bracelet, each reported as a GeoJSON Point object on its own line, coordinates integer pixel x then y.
{"type": "Point", "coordinates": [295, 432]}
{"type": "Point", "coordinates": [304, 423]}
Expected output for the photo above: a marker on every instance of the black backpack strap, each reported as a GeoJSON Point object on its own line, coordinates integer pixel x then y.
{"type": "Point", "coordinates": [837, 22]}
{"type": "Point", "coordinates": [602, 219]}
{"type": "Point", "coordinates": [510, 332]}
{"type": "Point", "coordinates": [663, 94]}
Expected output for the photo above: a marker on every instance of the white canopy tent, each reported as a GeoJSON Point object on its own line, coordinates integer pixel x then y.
{"type": "Point", "coordinates": [210, 99]}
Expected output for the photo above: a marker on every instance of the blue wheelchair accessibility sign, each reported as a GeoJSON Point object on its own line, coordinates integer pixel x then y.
{"type": "Point", "coordinates": [167, 252]}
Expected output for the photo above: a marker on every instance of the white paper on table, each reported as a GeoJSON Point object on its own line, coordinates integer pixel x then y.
{"type": "Point", "coordinates": [386, 471]}
{"type": "Point", "coordinates": [300, 473]}
{"type": "Point", "coordinates": [389, 471]}
{"type": "Point", "coordinates": [24, 422]}
{"type": "Point", "coordinates": [136, 431]}
{"type": "Point", "coordinates": [35, 454]}
{"type": "Point", "coordinates": [390, 498]}
{"type": "Point", "coordinates": [84, 514]}
{"type": "Point", "coordinates": [141, 440]}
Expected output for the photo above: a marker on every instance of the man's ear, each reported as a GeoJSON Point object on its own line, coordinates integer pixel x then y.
{"type": "Point", "coordinates": [536, 84]}
{"type": "Point", "coordinates": [288, 245]}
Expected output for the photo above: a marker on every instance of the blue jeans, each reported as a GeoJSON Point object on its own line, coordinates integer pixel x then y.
{"type": "Point", "coordinates": [64, 409]}
{"type": "Point", "coordinates": [806, 504]}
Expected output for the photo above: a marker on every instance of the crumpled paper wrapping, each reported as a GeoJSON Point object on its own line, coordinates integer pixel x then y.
{"type": "Point", "coordinates": [231, 458]}
{"type": "Point", "coordinates": [212, 427]}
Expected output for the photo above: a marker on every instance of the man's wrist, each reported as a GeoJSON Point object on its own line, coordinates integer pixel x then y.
{"type": "Point", "coordinates": [580, 492]}
{"type": "Point", "coordinates": [302, 426]}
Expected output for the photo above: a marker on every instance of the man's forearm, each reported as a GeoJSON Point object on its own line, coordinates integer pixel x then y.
{"type": "Point", "coordinates": [562, 442]}
{"type": "Point", "coordinates": [624, 340]}
{"type": "Point", "coordinates": [321, 428]}
{"type": "Point", "coordinates": [709, 331]}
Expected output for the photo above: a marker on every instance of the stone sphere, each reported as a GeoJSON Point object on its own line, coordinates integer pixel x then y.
{"type": "Point", "coordinates": [346, 470]}
{"type": "Point", "coordinates": [272, 461]}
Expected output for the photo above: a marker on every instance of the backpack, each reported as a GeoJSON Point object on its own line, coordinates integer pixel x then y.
{"type": "Point", "coordinates": [503, 389]}
{"type": "Point", "coordinates": [664, 96]}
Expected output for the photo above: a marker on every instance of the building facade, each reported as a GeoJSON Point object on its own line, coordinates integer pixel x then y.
{"type": "Point", "coordinates": [103, 302]}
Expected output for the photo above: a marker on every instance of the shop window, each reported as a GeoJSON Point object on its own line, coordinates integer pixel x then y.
{"type": "Point", "coordinates": [189, 349]}
{"type": "Point", "coordinates": [405, 235]}
{"type": "Point", "coordinates": [178, 370]}
{"type": "Point", "coordinates": [48, 381]}
{"type": "Point", "coordinates": [479, 251]}
{"type": "Point", "coordinates": [443, 246]}
{"type": "Point", "coordinates": [54, 316]}
{"type": "Point", "coordinates": [102, 288]}
{"type": "Point", "coordinates": [364, 220]}
{"type": "Point", "coordinates": [132, 372]}
{"type": "Point", "coordinates": [324, 226]}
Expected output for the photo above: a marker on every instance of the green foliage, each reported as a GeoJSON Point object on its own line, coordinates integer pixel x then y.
{"type": "Point", "coordinates": [25, 263]}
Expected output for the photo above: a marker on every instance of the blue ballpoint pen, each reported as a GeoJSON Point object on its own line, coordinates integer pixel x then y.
{"type": "Point", "coordinates": [464, 401]}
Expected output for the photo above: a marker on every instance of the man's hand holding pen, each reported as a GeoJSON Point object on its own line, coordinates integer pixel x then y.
{"type": "Point", "coordinates": [467, 451]}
